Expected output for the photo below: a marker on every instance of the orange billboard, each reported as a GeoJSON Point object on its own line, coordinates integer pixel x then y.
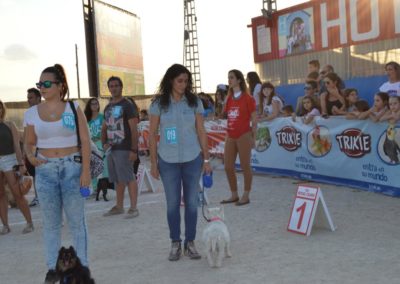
{"type": "Point", "coordinates": [118, 48]}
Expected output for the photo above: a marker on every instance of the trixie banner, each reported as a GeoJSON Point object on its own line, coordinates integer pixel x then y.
{"type": "Point", "coordinates": [355, 153]}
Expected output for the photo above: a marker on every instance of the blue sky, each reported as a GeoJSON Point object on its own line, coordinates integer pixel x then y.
{"type": "Point", "coordinates": [38, 33]}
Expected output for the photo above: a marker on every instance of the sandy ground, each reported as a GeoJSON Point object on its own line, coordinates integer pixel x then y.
{"type": "Point", "coordinates": [365, 248]}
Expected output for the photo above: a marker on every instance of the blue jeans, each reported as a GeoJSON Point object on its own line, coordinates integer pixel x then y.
{"type": "Point", "coordinates": [176, 176]}
{"type": "Point", "coordinates": [57, 184]}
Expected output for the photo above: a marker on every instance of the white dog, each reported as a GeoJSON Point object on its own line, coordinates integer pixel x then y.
{"type": "Point", "coordinates": [216, 237]}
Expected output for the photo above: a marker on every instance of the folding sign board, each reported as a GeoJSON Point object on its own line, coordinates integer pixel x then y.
{"type": "Point", "coordinates": [143, 177]}
{"type": "Point", "coordinates": [309, 208]}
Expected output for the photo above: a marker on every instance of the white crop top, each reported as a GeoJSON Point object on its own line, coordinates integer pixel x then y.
{"type": "Point", "coordinates": [53, 134]}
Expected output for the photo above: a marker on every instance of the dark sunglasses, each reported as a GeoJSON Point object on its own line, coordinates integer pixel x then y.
{"type": "Point", "coordinates": [46, 84]}
{"type": "Point", "coordinates": [307, 88]}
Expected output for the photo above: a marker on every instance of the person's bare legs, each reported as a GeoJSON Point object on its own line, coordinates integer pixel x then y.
{"type": "Point", "coordinates": [133, 193]}
{"type": "Point", "coordinates": [119, 190]}
{"type": "Point", "coordinates": [230, 153]}
{"type": "Point", "coordinates": [245, 144]}
{"type": "Point", "coordinates": [22, 203]}
{"type": "Point", "coordinates": [3, 202]}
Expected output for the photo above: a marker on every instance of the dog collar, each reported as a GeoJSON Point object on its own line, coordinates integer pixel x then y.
{"type": "Point", "coordinates": [215, 219]}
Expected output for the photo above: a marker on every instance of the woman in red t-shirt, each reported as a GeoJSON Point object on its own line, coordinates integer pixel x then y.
{"type": "Point", "coordinates": [240, 109]}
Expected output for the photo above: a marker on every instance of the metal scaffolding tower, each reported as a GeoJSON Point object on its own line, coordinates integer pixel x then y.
{"type": "Point", "coordinates": [191, 47]}
{"type": "Point", "coordinates": [269, 7]}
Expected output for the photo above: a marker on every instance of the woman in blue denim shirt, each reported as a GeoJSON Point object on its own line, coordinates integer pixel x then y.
{"type": "Point", "coordinates": [61, 167]}
{"type": "Point", "coordinates": [181, 153]}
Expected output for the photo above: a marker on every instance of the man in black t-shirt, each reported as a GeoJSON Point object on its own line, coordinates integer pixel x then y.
{"type": "Point", "coordinates": [119, 136]}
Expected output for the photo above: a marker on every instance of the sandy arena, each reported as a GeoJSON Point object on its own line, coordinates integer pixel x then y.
{"type": "Point", "coordinates": [363, 249]}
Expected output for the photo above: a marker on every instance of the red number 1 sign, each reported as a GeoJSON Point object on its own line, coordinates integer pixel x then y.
{"type": "Point", "coordinates": [305, 208]}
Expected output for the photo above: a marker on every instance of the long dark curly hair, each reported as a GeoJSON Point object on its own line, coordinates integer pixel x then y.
{"type": "Point", "coordinates": [163, 96]}
{"type": "Point", "coordinates": [88, 111]}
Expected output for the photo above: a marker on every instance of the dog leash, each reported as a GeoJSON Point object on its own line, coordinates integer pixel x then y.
{"type": "Point", "coordinates": [203, 204]}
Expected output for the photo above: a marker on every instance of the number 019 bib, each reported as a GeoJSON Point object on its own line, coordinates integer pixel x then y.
{"type": "Point", "coordinates": [170, 135]}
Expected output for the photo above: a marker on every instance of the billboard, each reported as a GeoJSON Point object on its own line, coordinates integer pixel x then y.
{"type": "Point", "coordinates": [322, 25]}
{"type": "Point", "coordinates": [118, 48]}
{"type": "Point", "coordinates": [296, 32]}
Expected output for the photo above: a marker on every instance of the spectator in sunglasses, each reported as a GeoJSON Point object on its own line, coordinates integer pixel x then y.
{"type": "Point", "coordinates": [327, 69]}
{"type": "Point", "coordinates": [332, 97]}
{"type": "Point", "coordinates": [310, 90]}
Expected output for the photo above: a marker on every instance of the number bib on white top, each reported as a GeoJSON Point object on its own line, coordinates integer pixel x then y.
{"type": "Point", "coordinates": [68, 120]}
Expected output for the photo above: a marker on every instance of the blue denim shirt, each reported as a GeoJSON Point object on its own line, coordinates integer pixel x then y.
{"type": "Point", "coordinates": [179, 142]}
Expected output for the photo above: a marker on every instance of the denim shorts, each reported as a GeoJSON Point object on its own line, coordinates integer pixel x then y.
{"type": "Point", "coordinates": [7, 162]}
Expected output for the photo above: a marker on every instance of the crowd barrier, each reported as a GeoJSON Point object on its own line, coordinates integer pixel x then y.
{"type": "Point", "coordinates": [355, 153]}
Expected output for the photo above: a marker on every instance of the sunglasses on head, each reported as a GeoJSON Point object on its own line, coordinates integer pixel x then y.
{"type": "Point", "coordinates": [47, 84]}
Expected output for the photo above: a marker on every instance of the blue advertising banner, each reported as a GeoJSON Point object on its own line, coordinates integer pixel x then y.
{"type": "Point", "coordinates": [355, 153]}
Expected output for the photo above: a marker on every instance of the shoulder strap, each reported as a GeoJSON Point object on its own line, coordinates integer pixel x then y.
{"type": "Point", "coordinates": [72, 106]}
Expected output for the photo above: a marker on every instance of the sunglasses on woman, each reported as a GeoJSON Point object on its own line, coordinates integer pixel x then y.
{"type": "Point", "coordinates": [47, 84]}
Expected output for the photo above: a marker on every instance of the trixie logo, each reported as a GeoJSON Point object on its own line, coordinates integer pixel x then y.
{"type": "Point", "coordinates": [354, 143]}
{"type": "Point", "coordinates": [233, 113]}
{"type": "Point", "coordinates": [289, 138]}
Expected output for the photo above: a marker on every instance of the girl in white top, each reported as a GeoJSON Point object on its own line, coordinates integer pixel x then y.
{"type": "Point", "coordinates": [392, 86]}
{"type": "Point", "coordinates": [254, 82]}
{"type": "Point", "coordinates": [393, 114]}
{"type": "Point", "coordinates": [310, 110]}
{"type": "Point", "coordinates": [61, 165]}
{"type": "Point", "coordinates": [379, 108]}
{"type": "Point", "coordinates": [270, 103]}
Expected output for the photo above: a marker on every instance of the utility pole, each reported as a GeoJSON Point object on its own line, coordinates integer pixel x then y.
{"type": "Point", "coordinates": [77, 71]}
{"type": "Point", "coordinates": [191, 48]}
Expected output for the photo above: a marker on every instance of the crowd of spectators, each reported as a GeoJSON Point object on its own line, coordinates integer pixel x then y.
{"type": "Point", "coordinates": [325, 94]}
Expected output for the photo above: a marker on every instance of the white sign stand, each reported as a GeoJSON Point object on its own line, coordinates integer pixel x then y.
{"type": "Point", "coordinates": [143, 176]}
{"type": "Point", "coordinates": [306, 212]}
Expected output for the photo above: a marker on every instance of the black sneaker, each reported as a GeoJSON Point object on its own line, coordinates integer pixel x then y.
{"type": "Point", "coordinates": [175, 252]}
{"type": "Point", "coordinates": [51, 277]}
{"type": "Point", "coordinates": [34, 202]}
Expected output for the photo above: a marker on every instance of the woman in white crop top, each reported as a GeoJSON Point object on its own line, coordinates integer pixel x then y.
{"type": "Point", "coordinates": [61, 166]}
